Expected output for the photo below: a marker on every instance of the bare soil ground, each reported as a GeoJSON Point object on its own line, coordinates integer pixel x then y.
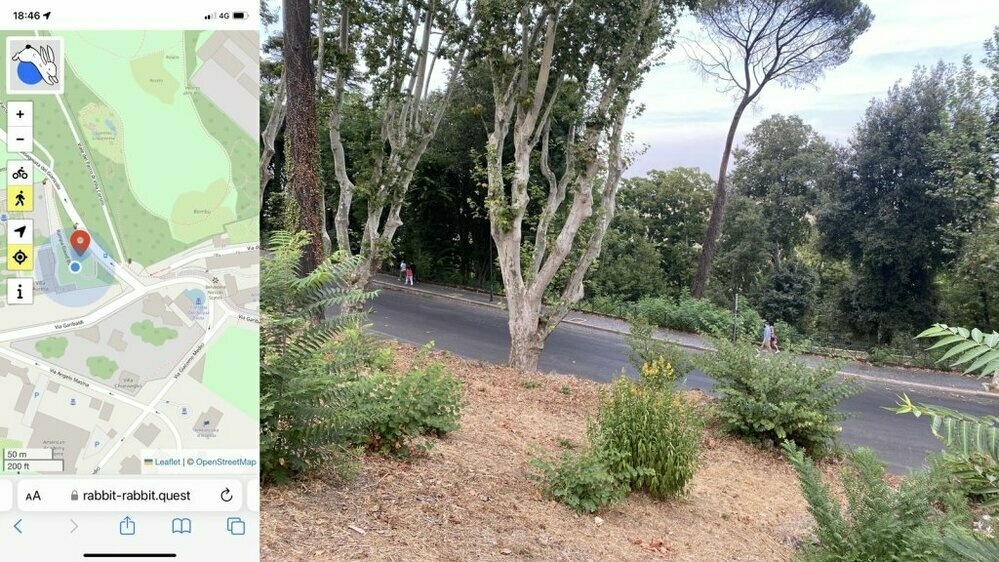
{"type": "Point", "coordinates": [470, 499]}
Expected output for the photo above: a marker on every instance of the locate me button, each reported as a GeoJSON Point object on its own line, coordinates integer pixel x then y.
{"type": "Point", "coordinates": [6, 495]}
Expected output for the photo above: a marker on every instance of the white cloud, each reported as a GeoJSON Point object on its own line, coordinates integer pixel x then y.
{"type": "Point", "coordinates": [686, 119]}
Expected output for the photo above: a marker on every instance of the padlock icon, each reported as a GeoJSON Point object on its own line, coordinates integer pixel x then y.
{"type": "Point", "coordinates": [74, 496]}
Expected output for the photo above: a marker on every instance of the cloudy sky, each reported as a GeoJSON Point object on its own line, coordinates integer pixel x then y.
{"type": "Point", "coordinates": [686, 119]}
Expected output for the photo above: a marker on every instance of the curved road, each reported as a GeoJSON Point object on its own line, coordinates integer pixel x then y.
{"type": "Point", "coordinates": [479, 332]}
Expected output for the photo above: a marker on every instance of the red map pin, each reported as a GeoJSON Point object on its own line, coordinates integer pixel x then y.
{"type": "Point", "coordinates": [80, 240]}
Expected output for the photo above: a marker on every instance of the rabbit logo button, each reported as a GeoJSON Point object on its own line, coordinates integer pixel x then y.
{"type": "Point", "coordinates": [34, 65]}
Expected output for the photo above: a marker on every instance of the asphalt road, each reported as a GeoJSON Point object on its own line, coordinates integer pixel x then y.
{"type": "Point", "coordinates": [477, 332]}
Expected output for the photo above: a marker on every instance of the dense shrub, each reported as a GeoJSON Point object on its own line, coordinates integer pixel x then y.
{"type": "Point", "coordinates": [307, 417]}
{"type": "Point", "coordinates": [582, 481]}
{"type": "Point", "coordinates": [656, 432]}
{"type": "Point", "coordinates": [771, 398]}
{"type": "Point", "coordinates": [426, 400]}
{"type": "Point", "coordinates": [881, 523]}
{"type": "Point", "coordinates": [699, 316]}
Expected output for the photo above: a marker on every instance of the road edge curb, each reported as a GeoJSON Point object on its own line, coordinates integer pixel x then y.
{"type": "Point", "coordinates": [890, 381]}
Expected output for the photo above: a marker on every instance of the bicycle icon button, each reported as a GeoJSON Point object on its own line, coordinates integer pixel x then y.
{"type": "Point", "coordinates": [20, 174]}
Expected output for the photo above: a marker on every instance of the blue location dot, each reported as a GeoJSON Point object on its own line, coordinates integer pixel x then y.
{"type": "Point", "coordinates": [74, 266]}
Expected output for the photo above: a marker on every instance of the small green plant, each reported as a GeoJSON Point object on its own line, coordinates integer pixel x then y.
{"type": "Point", "coordinates": [565, 390]}
{"type": "Point", "coordinates": [426, 400]}
{"type": "Point", "coordinates": [529, 384]}
{"type": "Point", "coordinates": [771, 398]}
{"type": "Point", "coordinates": [583, 481]}
{"type": "Point", "coordinates": [643, 349]}
{"type": "Point", "coordinates": [879, 355]}
{"type": "Point", "coordinates": [881, 523]}
{"type": "Point", "coordinates": [656, 434]}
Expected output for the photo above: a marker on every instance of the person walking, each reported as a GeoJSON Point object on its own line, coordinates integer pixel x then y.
{"type": "Point", "coordinates": [768, 335]}
{"type": "Point", "coordinates": [773, 339]}
{"type": "Point", "coordinates": [402, 270]}
{"type": "Point", "coordinates": [409, 275]}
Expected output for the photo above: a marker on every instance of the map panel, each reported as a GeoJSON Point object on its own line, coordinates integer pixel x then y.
{"type": "Point", "coordinates": [129, 298]}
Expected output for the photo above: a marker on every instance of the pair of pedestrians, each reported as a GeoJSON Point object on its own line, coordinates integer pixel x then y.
{"type": "Point", "coordinates": [769, 338]}
{"type": "Point", "coordinates": [405, 273]}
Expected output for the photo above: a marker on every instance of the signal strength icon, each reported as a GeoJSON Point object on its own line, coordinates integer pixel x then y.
{"type": "Point", "coordinates": [210, 17]}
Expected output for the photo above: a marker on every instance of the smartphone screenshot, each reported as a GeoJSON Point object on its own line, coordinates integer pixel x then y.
{"type": "Point", "coordinates": [129, 299]}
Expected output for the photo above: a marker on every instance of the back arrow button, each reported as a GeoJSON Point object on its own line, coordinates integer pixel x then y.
{"type": "Point", "coordinates": [17, 527]}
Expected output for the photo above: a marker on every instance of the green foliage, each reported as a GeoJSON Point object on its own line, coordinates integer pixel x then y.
{"type": "Point", "coordinates": [529, 384]}
{"type": "Point", "coordinates": [972, 548]}
{"type": "Point", "coordinates": [881, 523]}
{"type": "Point", "coordinates": [628, 269]}
{"type": "Point", "coordinates": [972, 448]}
{"type": "Point", "coordinates": [788, 293]}
{"type": "Point", "coordinates": [772, 398]}
{"type": "Point", "coordinates": [978, 350]}
{"type": "Point", "coordinates": [914, 146]}
{"type": "Point", "coordinates": [306, 418]}
{"type": "Point", "coordinates": [643, 349]}
{"type": "Point", "coordinates": [660, 217]}
{"type": "Point", "coordinates": [644, 437]}
{"type": "Point", "coordinates": [743, 255]}
{"type": "Point", "coordinates": [701, 316]}
{"type": "Point", "coordinates": [656, 434]}
{"type": "Point", "coordinates": [582, 481]}
{"type": "Point", "coordinates": [426, 400]}
{"type": "Point", "coordinates": [781, 166]}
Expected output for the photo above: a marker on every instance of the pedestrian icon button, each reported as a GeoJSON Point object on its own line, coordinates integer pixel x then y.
{"type": "Point", "coordinates": [20, 198]}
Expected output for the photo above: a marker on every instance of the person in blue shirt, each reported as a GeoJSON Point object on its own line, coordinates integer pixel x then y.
{"type": "Point", "coordinates": [768, 334]}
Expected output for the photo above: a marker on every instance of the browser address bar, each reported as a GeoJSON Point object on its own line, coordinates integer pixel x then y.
{"type": "Point", "coordinates": [146, 494]}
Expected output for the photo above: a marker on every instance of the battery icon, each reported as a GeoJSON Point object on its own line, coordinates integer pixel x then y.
{"type": "Point", "coordinates": [238, 15]}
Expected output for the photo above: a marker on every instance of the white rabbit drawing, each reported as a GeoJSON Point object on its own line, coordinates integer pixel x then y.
{"type": "Point", "coordinates": [43, 60]}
